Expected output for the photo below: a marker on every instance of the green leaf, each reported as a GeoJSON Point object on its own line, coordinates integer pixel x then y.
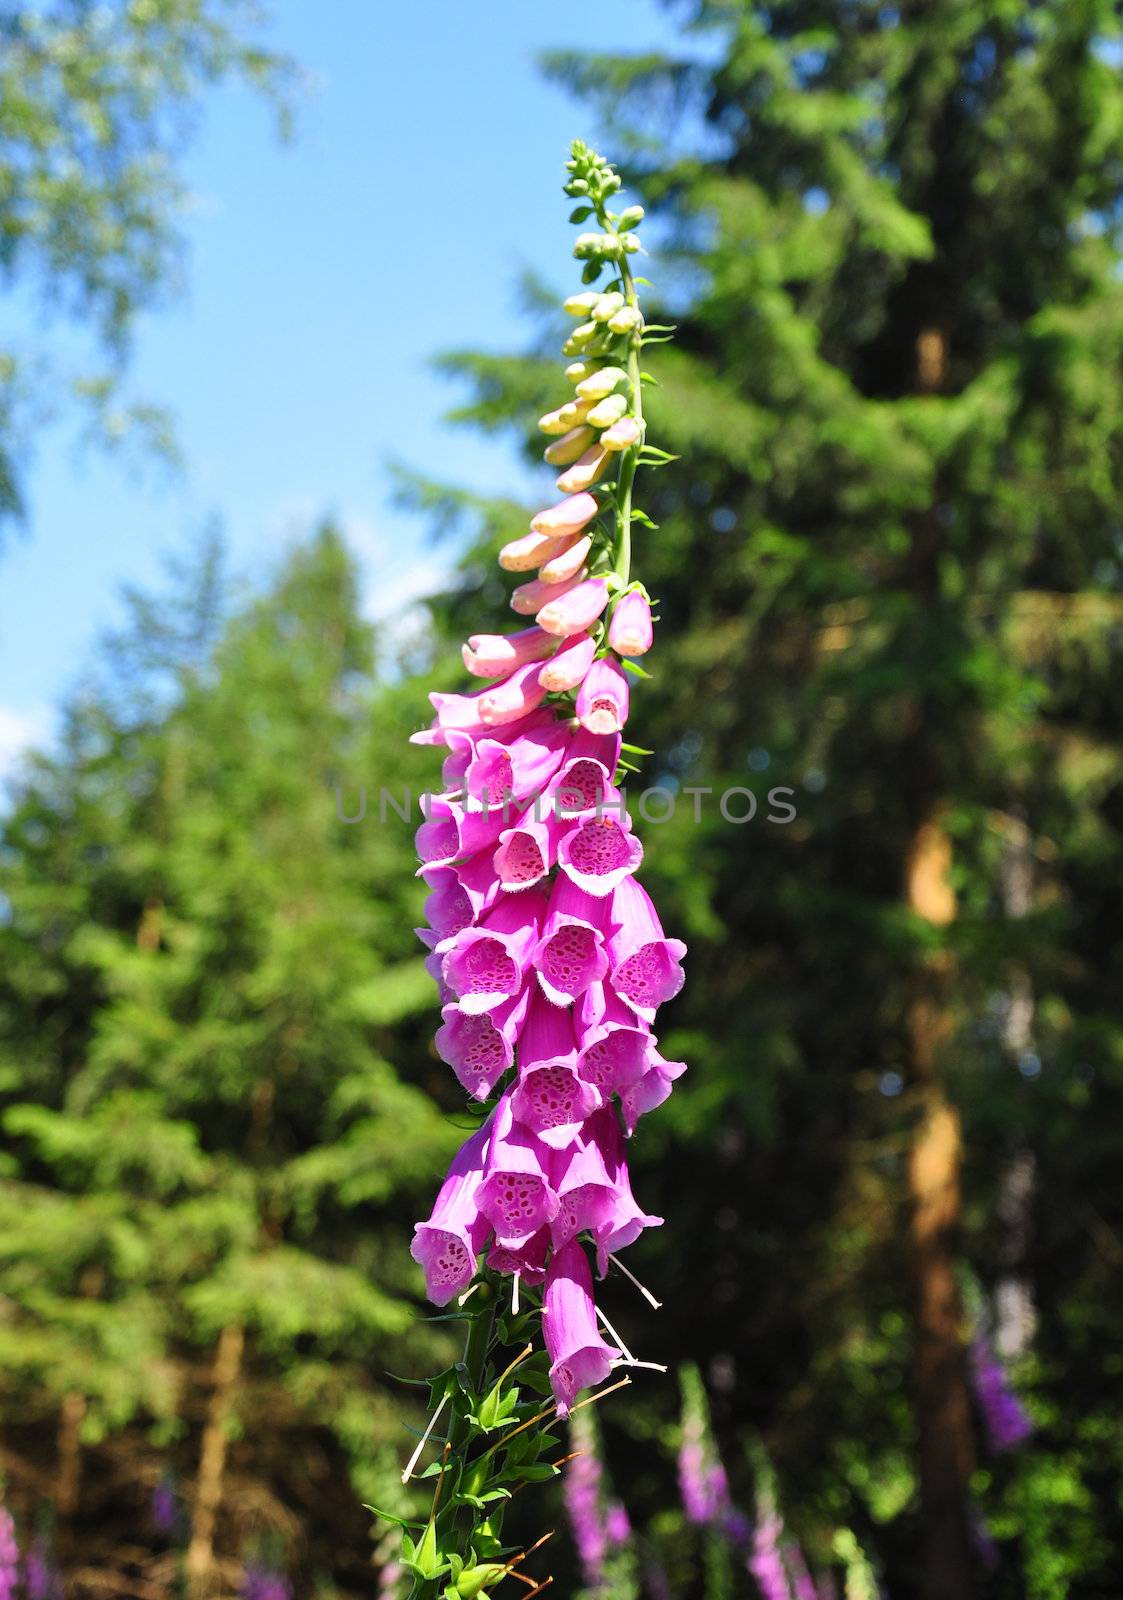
{"type": "Point", "coordinates": [580, 213]}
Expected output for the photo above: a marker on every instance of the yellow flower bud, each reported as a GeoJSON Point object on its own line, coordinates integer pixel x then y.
{"type": "Point", "coordinates": [605, 306]}
{"type": "Point", "coordinates": [577, 370]}
{"type": "Point", "coordinates": [557, 421]}
{"type": "Point", "coordinates": [569, 447]}
{"type": "Point", "coordinates": [624, 321]}
{"type": "Point", "coordinates": [622, 435]}
{"type": "Point", "coordinates": [600, 383]}
{"type": "Point", "coordinates": [608, 411]}
{"type": "Point", "coordinates": [579, 338]}
{"type": "Point", "coordinates": [579, 305]}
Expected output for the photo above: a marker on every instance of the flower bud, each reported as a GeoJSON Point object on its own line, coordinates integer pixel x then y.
{"type": "Point", "coordinates": [566, 562]}
{"type": "Point", "coordinates": [629, 631]}
{"type": "Point", "coordinates": [568, 668]}
{"type": "Point", "coordinates": [624, 321]}
{"type": "Point", "coordinates": [630, 242]}
{"type": "Point", "coordinates": [607, 411]}
{"type": "Point", "coordinates": [579, 305]}
{"type": "Point", "coordinates": [610, 245]}
{"type": "Point", "coordinates": [569, 447]}
{"type": "Point", "coordinates": [587, 244]}
{"type": "Point", "coordinates": [631, 218]}
{"type": "Point", "coordinates": [492, 655]}
{"type": "Point", "coordinates": [567, 517]}
{"type": "Point", "coordinates": [601, 382]}
{"type": "Point", "coordinates": [576, 610]}
{"type": "Point", "coordinates": [578, 370]}
{"type": "Point", "coordinates": [565, 417]}
{"type": "Point", "coordinates": [579, 338]}
{"type": "Point", "coordinates": [622, 435]}
{"type": "Point", "coordinates": [520, 555]}
{"type": "Point", "coordinates": [530, 597]}
{"type": "Point", "coordinates": [605, 306]}
{"type": "Point", "coordinates": [585, 471]}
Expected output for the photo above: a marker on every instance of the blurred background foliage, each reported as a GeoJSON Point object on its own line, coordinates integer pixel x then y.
{"type": "Point", "coordinates": [889, 572]}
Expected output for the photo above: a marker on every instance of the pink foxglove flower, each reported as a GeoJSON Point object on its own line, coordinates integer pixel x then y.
{"type": "Point", "coordinates": [516, 1195]}
{"type": "Point", "coordinates": [646, 968]}
{"type": "Point", "coordinates": [576, 609]}
{"type": "Point", "coordinates": [630, 631]}
{"type": "Point", "coordinates": [493, 655]}
{"type": "Point", "coordinates": [535, 597]}
{"type": "Point", "coordinates": [567, 669]}
{"type": "Point", "coordinates": [447, 1245]}
{"type": "Point", "coordinates": [566, 562]}
{"type": "Point", "coordinates": [567, 517]}
{"type": "Point", "coordinates": [579, 1357]}
{"type": "Point", "coordinates": [602, 700]}
{"type": "Point", "coordinates": [550, 959]}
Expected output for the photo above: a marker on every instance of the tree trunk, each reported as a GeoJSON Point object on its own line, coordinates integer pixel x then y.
{"type": "Point", "coordinates": [212, 1461]}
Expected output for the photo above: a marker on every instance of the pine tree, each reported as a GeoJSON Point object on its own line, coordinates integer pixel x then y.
{"type": "Point", "coordinates": [889, 558]}
{"type": "Point", "coordinates": [214, 1130]}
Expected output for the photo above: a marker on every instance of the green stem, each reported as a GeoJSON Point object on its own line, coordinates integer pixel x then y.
{"type": "Point", "coordinates": [622, 496]}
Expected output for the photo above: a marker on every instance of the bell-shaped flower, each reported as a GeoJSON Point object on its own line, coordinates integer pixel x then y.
{"type": "Point", "coordinates": [516, 1195]}
{"type": "Point", "coordinates": [448, 908]}
{"type": "Point", "coordinates": [529, 848]}
{"type": "Point", "coordinates": [570, 954]}
{"type": "Point", "coordinates": [615, 1047]}
{"type": "Point", "coordinates": [567, 562]}
{"type": "Point", "coordinates": [446, 1246]}
{"type": "Point", "coordinates": [568, 517]}
{"type": "Point", "coordinates": [567, 669]}
{"type": "Point", "coordinates": [494, 655]}
{"type": "Point", "coordinates": [576, 610]}
{"type": "Point", "coordinates": [516, 771]}
{"type": "Point", "coordinates": [461, 742]}
{"type": "Point", "coordinates": [650, 1091]}
{"type": "Point", "coordinates": [600, 853]}
{"type": "Point", "coordinates": [585, 1188]}
{"type": "Point", "coordinates": [629, 629]}
{"type": "Point", "coordinates": [586, 470]}
{"type": "Point", "coordinates": [602, 700]}
{"type": "Point", "coordinates": [626, 1221]}
{"type": "Point", "coordinates": [579, 1357]}
{"type": "Point", "coordinates": [531, 598]}
{"type": "Point", "coordinates": [527, 1259]}
{"type": "Point", "coordinates": [584, 780]}
{"type": "Point", "coordinates": [646, 968]}
{"type": "Point", "coordinates": [479, 1047]}
{"type": "Point", "coordinates": [549, 1098]}
{"type": "Point", "coordinates": [485, 964]}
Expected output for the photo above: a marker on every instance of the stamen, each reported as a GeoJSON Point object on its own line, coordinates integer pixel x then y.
{"type": "Point", "coordinates": [468, 1293]}
{"type": "Point", "coordinates": [612, 1334]}
{"type": "Point", "coordinates": [515, 1295]}
{"type": "Point", "coordinates": [652, 1366]}
{"type": "Point", "coordinates": [421, 1443]}
{"type": "Point", "coordinates": [647, 1294]}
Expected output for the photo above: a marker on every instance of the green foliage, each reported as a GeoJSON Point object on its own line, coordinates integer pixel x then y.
{"type": "Point", "coordinates": [97, 103]}
{"type": "Point", "coordinates": [889, 579]}
{"type": "Point", "coordinates": [213, 1110]}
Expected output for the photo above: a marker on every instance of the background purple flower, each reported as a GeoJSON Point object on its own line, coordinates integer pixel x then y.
{"type": "Point", "coordinates": [9, 1556]}
{"type": "Point", "coordinates": [1004, 1417]}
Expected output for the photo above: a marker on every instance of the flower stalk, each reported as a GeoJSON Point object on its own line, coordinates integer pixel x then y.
{"type": "Point", "coordinates": [549, 957]}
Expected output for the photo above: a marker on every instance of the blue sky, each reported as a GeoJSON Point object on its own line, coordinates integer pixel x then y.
{"type": "Point", "coordinates": [321, 276]}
